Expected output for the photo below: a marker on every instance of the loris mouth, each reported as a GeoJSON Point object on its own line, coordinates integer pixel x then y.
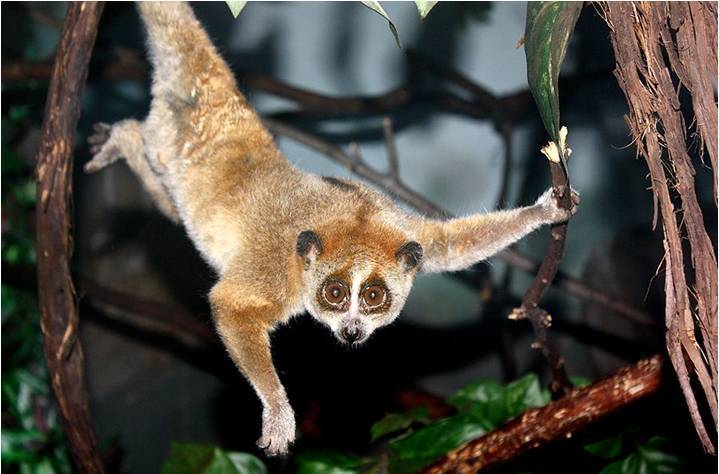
{"type": "Point", "coordinates": [351, 342]}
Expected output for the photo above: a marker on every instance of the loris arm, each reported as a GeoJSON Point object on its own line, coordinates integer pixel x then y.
{"type": "Point", "coordinates": [243, 322]}
{"type": "Point", "coordinates": [459, 243]}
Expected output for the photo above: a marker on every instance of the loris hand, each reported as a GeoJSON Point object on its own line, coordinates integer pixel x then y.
{"type": "Point", "coordinates": [550, 205]}
{"type": "Point", "coordinates": [278, 430]}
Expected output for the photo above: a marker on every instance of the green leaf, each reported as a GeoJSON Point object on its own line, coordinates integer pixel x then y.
{"type": "Point", "coordinates": [372, 5]}
{"type": "Point", "coordinates": [418, 449]}
{"type": "Point", "coordinates": [329, 462]}
{"type": "Point", "coordinates": [580, 382]}
{"type": "Point", "coordinates": [188, 458]}
{"type": "Point", "coordinates": [546, 35]}
{"type": "Point", "coordinates": [247, 463]}
{"type": "Point", "coordinates": [606, 448]}
{"type": "Point", "coordinates": [235, 7]}
{"type": "Point", "coordinates": [493, 404]}
{"type": "Point", "coordinates": [651, 457]}
{"type": "Point", "coordinates": [393, 422]}
{"type": "Point", "coordinates": [424, 7]}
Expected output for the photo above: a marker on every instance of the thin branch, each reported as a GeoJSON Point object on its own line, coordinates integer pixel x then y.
{"type": "Point", "coordinates": [391, 146]}
{"type": "Point", "coordinates": [56, 292]}
{"type": "Point", "coordinates": [560, 419]}
{"type": "Point", "coordinates": [540, 319]}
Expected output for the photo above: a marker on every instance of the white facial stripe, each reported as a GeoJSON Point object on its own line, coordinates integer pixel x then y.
{"type": "Point", "coordinates": [360, 273]}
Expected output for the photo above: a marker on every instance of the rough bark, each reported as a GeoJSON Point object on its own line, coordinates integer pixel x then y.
{"type": "Point", "coordinates": [56, 292]}
{"type": "Point", "coordinates": [643, 35]}
{"type": "Point", "coordinates": [559, 420]}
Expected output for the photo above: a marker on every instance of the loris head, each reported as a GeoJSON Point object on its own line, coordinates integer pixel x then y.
{"type": "Point", "coordinates": [354, 282]}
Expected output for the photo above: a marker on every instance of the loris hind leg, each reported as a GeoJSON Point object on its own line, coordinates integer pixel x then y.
{"type": "Point", "coordinates": [244, 323]}
{"type": "Point", "coordinates": [124, 139]}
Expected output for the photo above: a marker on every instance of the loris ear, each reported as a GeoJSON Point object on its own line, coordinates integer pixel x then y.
{"type": "Point", "coordinates": [409, 255]}
{"type": "Point", "coordinates": [309, 245]}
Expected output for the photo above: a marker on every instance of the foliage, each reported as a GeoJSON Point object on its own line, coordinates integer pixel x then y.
{"type": "Point", "coordinates": [188, 458]}
{"type": "Point", "coordinates": [631, 453]}
{"type": "Point", "coordinates": [32, 438]}
{"type": "Point", "coordinates": [547, 32]}
{"type": "Point", "coordinates": [331, 462]}
{"type": "Point", "coordinates": [482, 407]}
{"type": "Point", "coordinates": [236, 7]}
{"type": "Point", "coordinates": [393, 422]}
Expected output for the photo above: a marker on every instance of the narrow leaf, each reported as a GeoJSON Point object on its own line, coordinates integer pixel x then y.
{"type": "Point", "coordinates": [375, 6]}
{"type": "Point", "coordinates": [546, 36]}
{"type": "Point", "coordinates": [235, 7]}
{"type": "Point", "coordinates": [424, 7]}
{"type": "Point", "coordinates": [393, 422]}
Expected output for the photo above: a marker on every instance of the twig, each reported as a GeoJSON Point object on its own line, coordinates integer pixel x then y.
{"type": "Point", "coordinates": [56, 293]}
{"type": "Point", "coordinates": [174, 320]}
{"type": "Point", "coordinates": [560, 419]}
{"type": "Point", "coordinates": [389, 142]}
{"type": "Point", "coordinates": [540, 320]}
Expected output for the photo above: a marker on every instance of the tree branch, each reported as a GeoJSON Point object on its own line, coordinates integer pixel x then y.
{"type": "Point", "coordinates": [559, 420]}
{"type": "Point", "coordinates": [56, 293]}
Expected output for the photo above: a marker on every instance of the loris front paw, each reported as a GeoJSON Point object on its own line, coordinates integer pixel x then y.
{"type": "Point", "coordinates": [550, 206]}
{"type": "Point", "coordinates": [278, 430]}
{"type": "Point", "coordinates": [103, 150]}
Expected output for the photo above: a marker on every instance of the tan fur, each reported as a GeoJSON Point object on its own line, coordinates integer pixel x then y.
{"type": "Point", "coordinates": [205, 157]}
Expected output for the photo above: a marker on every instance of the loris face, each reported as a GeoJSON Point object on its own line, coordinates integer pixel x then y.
{"type": "Point", "coordinates": [358, 288]}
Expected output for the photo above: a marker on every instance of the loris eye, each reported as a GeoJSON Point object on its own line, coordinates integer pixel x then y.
{"type": "Point", "coordinates": [335, 292]}
{"type": "Point", "coordinates": [373, 295]}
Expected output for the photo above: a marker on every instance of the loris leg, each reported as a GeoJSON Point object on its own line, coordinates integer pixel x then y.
{"type": "Point", "coordinates": [242, 322]}
{"type": "Point", "coordinates": [458, 243]}
{"type": "Point", "coordinates": [124, 140]}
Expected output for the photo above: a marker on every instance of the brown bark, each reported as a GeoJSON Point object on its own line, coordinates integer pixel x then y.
{"type": "Point", "coordinates": [540, 320]}
{"type": "Point", "coordinates": [56, 293]}
{"type": "Point", "coordinates": [559, 420]}
{"type": "Point", "coordinates": [642, 35]}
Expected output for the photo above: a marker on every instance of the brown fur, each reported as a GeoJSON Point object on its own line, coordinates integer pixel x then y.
{"type": "Point", "coordinates": [207, 160]}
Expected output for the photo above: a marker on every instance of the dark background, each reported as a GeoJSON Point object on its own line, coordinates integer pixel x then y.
{"type": "Point", "coordinates": [151, 383]}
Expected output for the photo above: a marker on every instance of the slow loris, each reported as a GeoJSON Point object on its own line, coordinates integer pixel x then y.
{"type": "Point", "coordinates": [282, 241]}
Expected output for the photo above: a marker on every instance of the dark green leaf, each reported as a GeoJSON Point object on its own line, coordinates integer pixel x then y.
{"type": "Point", "coordinates": [546, 35]}
{"type": "Point", "coordinates": [393, 422]}
{"type": "Point", "coordinates": [652, 457]}
{"type": "Point", "coordinates": [329, 462]}
{"type": "Point", "coordinates": [489, 402]}
{"type": "Point", "coordinates": [580, 382]}
{"type": "Point", "coordinates": [188, 458]}
{"type": "Point", "coordinates": [246, 463]}
{"type": "Point", "coordinates": [420, 448]}
{"type": "Point", "coordinates": [606, 448]}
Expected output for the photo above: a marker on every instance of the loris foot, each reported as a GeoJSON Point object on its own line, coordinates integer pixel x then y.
{"type": "Point", "coordinates": [278, 430]}
{"type": "Point", "coordinates": [103, 149]}
{"type": "Point", "coordinates": [550, 205]}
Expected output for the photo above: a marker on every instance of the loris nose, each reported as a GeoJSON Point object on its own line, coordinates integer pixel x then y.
{"type": "Point", "coordinates": [350, 334]}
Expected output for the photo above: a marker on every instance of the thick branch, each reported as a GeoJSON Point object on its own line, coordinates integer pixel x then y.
{"type": "Point", "coordinates": [558, 420]}
{"type": "Point", "coordinates": [56, 293]}
{"type": "Point", "coordinates": [643, 37]}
